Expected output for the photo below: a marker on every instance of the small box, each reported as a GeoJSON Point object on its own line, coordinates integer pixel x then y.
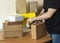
{"type": "Point", "coordinates": [15, 18]}
{"type": "Point", "coordinates": [38, 30]}
{"type": "Point", "coordinates": [33, 6]}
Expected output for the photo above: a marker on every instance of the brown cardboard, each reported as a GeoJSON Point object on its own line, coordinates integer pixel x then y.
{"type": "Point", "coordinates": [12, 29]}
{"type": "Point", "coordinates": [38, 30]}
{"type": "Point", "coordinates": [12, 34]}
{"type": "Point", "coordinates": [21, 6]}
{"type": "Point", "coordinates": [33, 6]}
{"type": "Point", "coordinates": [1, 36]}
{"type": "Point", "coordinates": [13, 23]}
{"type": "Point", "coordinates": [12, 26]}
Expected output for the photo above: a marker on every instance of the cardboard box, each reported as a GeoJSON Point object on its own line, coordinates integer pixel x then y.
{"type": "Point", "coordinates": [21, 6]}
{"type": "Point", "coordinates": [33, 6]}
{"type": "Point", "coordinates": [1, 36]}
{"type": "Point", "coordinates": [12, 27]}
{"type": "Point", "coordinates": [38, 30]}
{"type": "Point", "coordinates": [13, 23]}
{"type": "Point", "coordinates": [13, 34]}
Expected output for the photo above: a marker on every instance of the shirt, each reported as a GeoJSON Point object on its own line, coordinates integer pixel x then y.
{"type": "Point", "coordinates": [53, 23]}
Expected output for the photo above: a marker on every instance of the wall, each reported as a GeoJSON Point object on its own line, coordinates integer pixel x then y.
{"type": "Point", "coordinates": [7, 8]}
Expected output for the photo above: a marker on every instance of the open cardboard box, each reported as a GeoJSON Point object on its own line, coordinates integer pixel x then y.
{"type": "Point", "coordinates": [38, 30]}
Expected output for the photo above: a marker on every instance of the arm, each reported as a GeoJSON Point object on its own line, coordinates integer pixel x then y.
{"type": "Point", "coordinates": [42, 12]}
{"type": "Point", "coordinates": [46, 15]}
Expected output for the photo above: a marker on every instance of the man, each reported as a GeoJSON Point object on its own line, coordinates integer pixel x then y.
{"type": "Point", "coordinates": [51, 14]}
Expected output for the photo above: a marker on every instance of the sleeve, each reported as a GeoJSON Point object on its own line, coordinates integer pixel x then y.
{"type": "Point", "coordinates": [55, 4]}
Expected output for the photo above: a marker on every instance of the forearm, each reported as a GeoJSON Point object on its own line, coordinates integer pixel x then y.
{"type": "Point", "coordinates": [46, 15]}
{"type": "Point", "coordinates": [42, 17]}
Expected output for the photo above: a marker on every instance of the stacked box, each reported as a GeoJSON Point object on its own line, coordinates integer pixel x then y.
{"type": "Point", "coordinates": [33, 6]}
{"type": "Point", "coordinates": [38, 30]}
{"type": "Point", "coordinates": [12, 29]}
{"type": "Point", "coordinates": [21, 6]}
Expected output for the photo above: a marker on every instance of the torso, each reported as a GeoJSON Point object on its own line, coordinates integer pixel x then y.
{"type": "Point", "coordinates": [52, 24]}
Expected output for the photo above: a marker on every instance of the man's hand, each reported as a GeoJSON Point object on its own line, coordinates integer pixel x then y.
{"type": "Point", "coordinates": [30, 20]}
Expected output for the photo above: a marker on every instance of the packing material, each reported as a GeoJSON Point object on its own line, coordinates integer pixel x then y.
{"type": "Point", "coordinates": [15, 18]}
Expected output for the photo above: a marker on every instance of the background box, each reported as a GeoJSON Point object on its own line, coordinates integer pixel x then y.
{"type": "Point", "coordinates": [33, 6]}
{"type": "Point", "coordinates": [21, 6]}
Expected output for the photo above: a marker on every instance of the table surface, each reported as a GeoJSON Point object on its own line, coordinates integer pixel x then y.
{"type": "Point", "coordinates": [25, 39]}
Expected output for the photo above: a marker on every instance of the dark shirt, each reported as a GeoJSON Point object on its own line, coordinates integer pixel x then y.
{"type": "Point", "coordinates": [53, 24]}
